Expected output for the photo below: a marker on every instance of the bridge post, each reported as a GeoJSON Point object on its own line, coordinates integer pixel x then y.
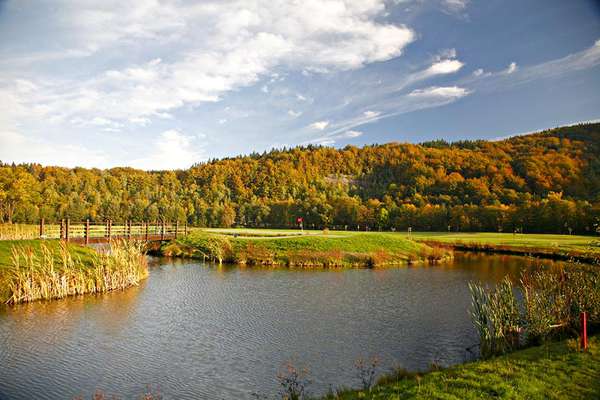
{"type": "Point", "coordinates": [146, 223]}
{"type": "Point", "coordinates": [128, 228]}
{"type": "Point", "coordinates": [87, 231]}
{"type": "Point", "coordinates": [62, 229]}
{"type": "Point", "coordinates": [185, 229]}
{"type": "Point", "coordinates": [176, 228]}
{"type": "Point", "coordinates": [67, 229]}
{"type": "Point", "coordinates": [162, 230]}
{"type": "Point", "coordinates": [109, 228]}
{"type": "Point", "coordinates": [41, 228]}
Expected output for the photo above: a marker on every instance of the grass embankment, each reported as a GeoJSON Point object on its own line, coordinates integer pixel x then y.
{"type": "Point", "coordinates": [35, 270]}
{"type": "Point", "coordinates": [582, 248]}
{"type": "Point", "coordinates": [552, 371]}
{"type": "Point", "coordinates": [323, 250]}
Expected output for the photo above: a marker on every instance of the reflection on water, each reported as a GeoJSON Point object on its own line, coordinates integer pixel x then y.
{"type": "Point", "coordinates": [201, 331]}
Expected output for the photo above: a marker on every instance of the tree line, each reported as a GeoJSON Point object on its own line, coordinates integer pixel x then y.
{"type": "Point", "coordinates": [543, 182]}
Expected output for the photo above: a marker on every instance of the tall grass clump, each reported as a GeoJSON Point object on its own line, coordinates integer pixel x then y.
{"type": "Point", "coordinates": [209, 247]}
{"type": "Point", "coordinates": [496, 317]}
{"type": "Point", "coordinates": [544, 304]}
{"type": "Point", "coordinates": [49, 273]}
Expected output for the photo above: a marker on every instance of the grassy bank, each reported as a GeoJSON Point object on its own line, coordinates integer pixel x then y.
{"type": "Point", "coordinates": [562, 247]}
{"type": "Point", "coordinates": [551, 371]}
{"type": "Point", "coordinates": [583, 248]}
{"type": "Point", "coordinates": [320, 250]}
{"type": "Point", "coordinates": [36, 270]}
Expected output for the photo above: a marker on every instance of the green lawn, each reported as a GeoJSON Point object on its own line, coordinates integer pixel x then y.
{"type": "Point", "coordinates": [553, 371]}
{"type": "Point", "coordinates": [343, 241]}
{"type": "Point", "coordinates": [551, 241]}
{"type": "Point", "coordinates": [548, 242]}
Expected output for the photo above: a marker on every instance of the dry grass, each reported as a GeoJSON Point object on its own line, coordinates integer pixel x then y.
{"type": "Point", "coordinates": [47, 273]}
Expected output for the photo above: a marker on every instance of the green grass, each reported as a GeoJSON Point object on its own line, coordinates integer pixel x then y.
{"type": "Point", "coordinates": [275, 247]}
{"type": "Point", "coordinates": [548, 241]}
{"type": "Point", "coordinates": [549, 244]}
{"type": "Point", "coordinates": [552, 371]}
{"type": "Point", "coordinates": [86, 254]}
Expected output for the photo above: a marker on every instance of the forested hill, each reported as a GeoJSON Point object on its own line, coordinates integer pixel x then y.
{"type": "Point", "coordinates": [543, 182]}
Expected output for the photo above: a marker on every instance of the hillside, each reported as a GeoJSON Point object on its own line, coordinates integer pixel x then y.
{"type": "Point", "coordinates": [543, 182]}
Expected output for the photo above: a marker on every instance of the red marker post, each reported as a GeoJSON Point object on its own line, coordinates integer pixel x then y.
{"type": "Point", "coordinates": [583, 320]}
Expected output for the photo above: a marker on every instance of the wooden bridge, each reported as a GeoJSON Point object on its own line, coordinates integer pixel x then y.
{"type": "Point", "coordinates": [88, 232]}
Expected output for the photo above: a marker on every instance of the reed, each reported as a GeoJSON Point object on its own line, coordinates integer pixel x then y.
{"type": "Point", "coordinates": [46, 273]}
{"type": "Point", "coordinates": [544, 304]}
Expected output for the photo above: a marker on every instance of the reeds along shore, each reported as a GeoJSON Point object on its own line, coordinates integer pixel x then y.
{"type": "Point", "coordinates": [542, 305]}
{"type": "Point", "coordinates": [50, 273]}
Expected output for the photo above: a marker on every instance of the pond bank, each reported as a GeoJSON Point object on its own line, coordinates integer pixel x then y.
{"type": "Point", "coordinates": [527, 251]}
{"type": "Point", "coordinates": [551, 371]}
{"type": "Point", "coordinates": [357, 250]}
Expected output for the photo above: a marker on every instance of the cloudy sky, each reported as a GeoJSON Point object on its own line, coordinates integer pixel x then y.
{"type": "Point", "coordinates": [166, 83]}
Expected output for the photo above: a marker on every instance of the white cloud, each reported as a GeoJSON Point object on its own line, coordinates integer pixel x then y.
{"type": "Point", "coordinates": [352, 134]}
{"type": "Point", "coordinates": [142, 121]}
{"type": "Point", "coordinates": [319, 125]}
{"type": "Point", "coordinates": [322, 141]}
{"type": "Point", "coordinates": [443, 92]}
{"type": "Point", "coordinates": [19, 148]}
{"type": "Point", "coordinates": [171, 150]}
{"type": "Point", "coordinates": [371, 114]}
{"type": "Point", "coordinates": [294, 114]}
{"type": "Point", "coordinates": [216, 48]}
{"type": "Point", "coordinates": [517, 75]}
{"type": "Point", "coordinates": [303, 98]}
{"type": "Point", "coordinates": [455, 5]}
{"type": "Point", "coordinates": [331, 139]}
{"type": "Point", "coordinates": [511, 68]}
{"type": "Point", "coordinates": [444, 67]}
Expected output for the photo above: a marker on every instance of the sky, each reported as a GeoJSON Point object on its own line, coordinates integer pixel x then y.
{"type": "Point", "coordinates": [165, 84]}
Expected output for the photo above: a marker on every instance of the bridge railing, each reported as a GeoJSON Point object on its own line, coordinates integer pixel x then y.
{"type": "Point", "coordinates": [95, 232]}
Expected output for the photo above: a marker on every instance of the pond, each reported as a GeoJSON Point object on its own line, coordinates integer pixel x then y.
{"type": "Point", "coordinates": [200, 331]}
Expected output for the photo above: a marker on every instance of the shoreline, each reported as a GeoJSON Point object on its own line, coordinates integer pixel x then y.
{"type": "Point", "coordinates": [544, 371]}
{"type": "Point", "coordinates": [524, 251]}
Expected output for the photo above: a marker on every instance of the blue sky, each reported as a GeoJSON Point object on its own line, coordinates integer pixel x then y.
{"type": "Point", "coordinates": [164, 84]}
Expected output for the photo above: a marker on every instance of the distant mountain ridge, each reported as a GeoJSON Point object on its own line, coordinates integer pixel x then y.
{"type": "Point", "coordinates": [542, 182]}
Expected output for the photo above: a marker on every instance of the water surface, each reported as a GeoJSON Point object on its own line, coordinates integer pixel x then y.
{"type": "Point", "coordinates": [200, 331]}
